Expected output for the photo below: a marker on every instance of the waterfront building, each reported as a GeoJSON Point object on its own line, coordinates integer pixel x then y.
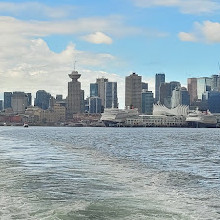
{"type": "Point", "coordinates": [159, 78]}
{"type": "Point", "coordinates": [19, 102]}
{"type": "Point", "coordinates": [180, 96]}
{"type": "Point", "coordinates": [162, 117]}
{"type": "Point", "coordinates": [165, 94]}
{"type": "Point", "coordinates": [59, 100]}
{"type": "Point", "coordinates": [95, 105]}
{"type": "Point", "coordinates": [156, 121]}
{"type": "Point", "coordinates": [192, 89]}
{"type": "Point", "coordinates": [7, 99]}
{"type": "Point", "coordinates": [94, 91]}
{"type": "Point", "coordinates": [101, 88]}
{"type": "Point", "coordinates": [147, 102]}
{"type": "Point", "coordinates": [74, 98]}
{"type": "Point", "coordinates": [111, 97]}
{"type": "Point", "coordinates": [133, 89]}
{"type": "Point", "coordinates": [42, 99]}
{"type": "Point", "coordinates": [54, 115]}
{"type": "Point", "coordinates": [203, 85]}
{"type": "Point", "coordinates": [59, 112]}
{"type": "Point", "coordinates": [32, 113]}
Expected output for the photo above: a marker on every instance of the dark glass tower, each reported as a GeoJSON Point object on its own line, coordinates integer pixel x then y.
{"type": "Point", "coordinates": [159, 78]}
{"type": "Point", "coordinates": [7, 99]}
{"type": "Point", "coordinates": [42, 99]}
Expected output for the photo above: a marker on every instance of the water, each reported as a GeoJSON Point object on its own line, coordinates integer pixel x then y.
{"type": "Point", "coordinates": [109, 173]}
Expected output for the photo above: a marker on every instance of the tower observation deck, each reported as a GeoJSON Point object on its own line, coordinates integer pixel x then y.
{"type": "Point", "coordinates": [74, 76]}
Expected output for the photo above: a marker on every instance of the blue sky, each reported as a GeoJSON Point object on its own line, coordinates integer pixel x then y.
{"type": "Point", "coordinates": [113, 38]}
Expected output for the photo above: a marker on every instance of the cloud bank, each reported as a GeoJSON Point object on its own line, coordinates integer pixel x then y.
{"type": "Point", "coordinates": [185, 6]}
{"type": "Point", "coordinates": [208, 32]}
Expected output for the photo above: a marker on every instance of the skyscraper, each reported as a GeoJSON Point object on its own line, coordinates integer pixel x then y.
{"type": "Point", "coordinates": [144, 86]}
{"type": "Point", "coordinates": [174, 84]}
{"type": "Point", "coordinates": [180, 96]}
{"type": "Point", "coordinates": [94, 91]}
{"type": "Point", "coordinates": [19, 102]}
{"type": "Point", "coordinates": [95, 105]}
{"type": "Point", "coordinates": [165, 94]}
{"type": "Point", "coordinates": [101, 88]}
{"type": "Point", "coordinates": [212, 99]}
{"type": "Point", "coordinates": [147, 102]}
{"type": "Point", "coordinates": [7, 99]}
{"type": "Point", "coordinates": [192, 89]}
{"type": "Point", "coordinates": [111, 97]}
{"type": "Point", "coordinates": [29, 97]}
{"type": "Point", "coordinates": [203, 84]}
{"type": "Point", "coordinates": [133, 89]}
{"type": "Point", "coordinates": [215, 84]}
{"type": "Point", "coordinates": [42, 99]}
{"type": "Point", "coordinates": [74, 98]}
{"type": "Point", "coordinates": [1, 105]}
{"type": "Point", "coordinates": [159, 78]}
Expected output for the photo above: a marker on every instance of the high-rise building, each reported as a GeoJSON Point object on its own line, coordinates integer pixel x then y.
{"type": "Point", "coordinates": [19, 102]}
{"type": "Point", "coordinates": [74, 98]}
{"type": "Point", "coordinates": [42, 99]}
{"type": "Point", "coordinates": [1, 105]}
{"type": "Point", "coordinates": [82, 101]}
{"type": "Point", "coordinates": [111, 97]}
{"type": "Point", "coordinates": [215, 84]}
{"type": "Point", "coordinates": [95, 105]}
{"type": "Point", "coordinates": [144, 86]}
{"type": "Point", "coordinates": [192, 89]}
{"type": "Point", "coordinates": [180, 96]}
{"type": "Point", "coordinates": [7, 99]}
{"type": "Point", "coordinates": [212, 99]}
{"type": "Point", "coordinates": [147, 102]}
{"type": "Point", "coordinates": [133, 89]}
{"type": "Point", "coordinates": [29, 98]}
{"type": "Point", "coordinates": [94, 91]}
{"type": "Point", "coordinates": [203, 84]}
{"type": "Point", "coordinates": [59, 98]}
{"type": "Point", "coordinates": [165, 94]}
{"type": "Point", "coordinates": [174, 84]}
{"type": "Point", "coordinates": [101, 88]}
{"type": "Point", "coordinates": [159, 78]}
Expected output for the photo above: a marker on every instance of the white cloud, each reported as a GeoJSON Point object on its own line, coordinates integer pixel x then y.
{"type": "Point", "coordinates": [185, 6]}
{"type": "Point", "coordinates": [98, 38]}
{"type": "Point", "coordinates": [33, 66]}
{"type": "Point", "coordinates": [187, 37]}
{"type": "Point", "coordinates": [36, 9]}
{"type": "Point", "coordinates": [113, 25]}
{"type": "Point", "coordinates": [207, 31]}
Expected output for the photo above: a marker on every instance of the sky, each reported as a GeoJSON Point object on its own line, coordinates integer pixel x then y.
{"type": "Point", "coordinates": [41, 40]}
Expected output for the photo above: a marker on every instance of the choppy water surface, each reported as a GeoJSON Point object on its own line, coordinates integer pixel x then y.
{"type": "Point", "coordinates": [109, 173]}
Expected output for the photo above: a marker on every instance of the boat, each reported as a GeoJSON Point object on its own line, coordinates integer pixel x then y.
{"type": "Point", "coordinates": [25, 125]}
{"type": "Point", "coordinates": [198, 119]}
{"type": "Point", "coordinates": [114, 117]}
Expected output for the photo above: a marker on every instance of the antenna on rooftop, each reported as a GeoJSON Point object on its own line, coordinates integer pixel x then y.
{"type": "Point", "coordinates": [74, 65]}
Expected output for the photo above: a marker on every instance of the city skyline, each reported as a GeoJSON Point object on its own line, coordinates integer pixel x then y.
{"type": "Point", "coordinates": [41, 40]}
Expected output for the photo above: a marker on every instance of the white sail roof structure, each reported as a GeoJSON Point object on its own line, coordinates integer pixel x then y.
{"type": "Point", "coordinates": [180, 110]}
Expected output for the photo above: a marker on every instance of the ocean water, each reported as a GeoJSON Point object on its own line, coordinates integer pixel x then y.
{"type": "Point", "coordinates": [109, 173]}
